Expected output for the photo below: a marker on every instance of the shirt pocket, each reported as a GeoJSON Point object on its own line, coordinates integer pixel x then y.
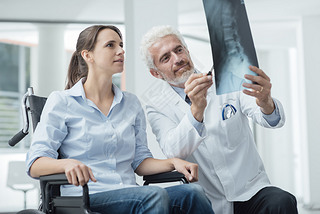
{"type": "Point", "coordinates": [233, 130]}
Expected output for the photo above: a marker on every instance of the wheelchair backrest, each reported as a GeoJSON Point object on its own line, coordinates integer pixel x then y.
{"type": "Point", "coordinates": [36, 105]}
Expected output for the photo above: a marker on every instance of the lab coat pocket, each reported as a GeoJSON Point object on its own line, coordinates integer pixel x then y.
{"type": "Point", "coordinates": [233, 129]}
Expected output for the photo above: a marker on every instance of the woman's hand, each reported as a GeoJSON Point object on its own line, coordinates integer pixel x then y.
{"type": "Point", "coordinates": [77, 173]}
{"type": "Point", "coordinates": [150, 166]}
{"type": "Point", "coordinates": [190, 170]}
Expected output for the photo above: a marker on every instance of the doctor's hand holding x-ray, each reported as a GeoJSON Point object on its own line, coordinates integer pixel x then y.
{"type": "Point", "coordinates": [261, 89]}
{"type": "Point", "coordinates": [196, 87]}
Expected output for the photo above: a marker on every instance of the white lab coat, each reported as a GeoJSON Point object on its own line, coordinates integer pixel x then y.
{"type": "Point", "coordinates": [230, 168]}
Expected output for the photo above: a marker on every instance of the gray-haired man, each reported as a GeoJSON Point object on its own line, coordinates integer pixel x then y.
{"type": "Point", "coordinates": [212, 130]}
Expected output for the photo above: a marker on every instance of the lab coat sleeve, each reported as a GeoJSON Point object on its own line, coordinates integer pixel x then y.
{"type": "Point", "coordinates": [252, 110]}
{"type": "Point", "coordinates": [177, 137]}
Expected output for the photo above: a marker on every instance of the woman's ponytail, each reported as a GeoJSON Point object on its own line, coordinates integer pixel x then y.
{"type": "Point", "coordinates": [77, 69]}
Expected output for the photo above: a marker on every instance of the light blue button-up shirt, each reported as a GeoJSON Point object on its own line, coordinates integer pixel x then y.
{"type": "Point", "coordinates": [112, 146]}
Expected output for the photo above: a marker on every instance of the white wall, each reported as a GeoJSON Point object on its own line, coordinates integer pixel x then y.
{"type": "Point", "coordinates": [309, 46]}
{"type": "Point", "coordinates": [288, 52]}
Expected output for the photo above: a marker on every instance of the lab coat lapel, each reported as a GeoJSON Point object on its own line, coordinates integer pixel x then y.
{"type": "Point", "coordinates": [210, 94]}
{"type": "Point", "coordinates": [178, 104]}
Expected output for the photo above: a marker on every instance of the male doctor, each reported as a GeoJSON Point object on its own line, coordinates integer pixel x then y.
{"type": "Point", "coordinates": [191, 122]}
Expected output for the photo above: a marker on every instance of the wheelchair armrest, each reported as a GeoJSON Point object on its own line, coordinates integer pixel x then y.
{"type": "Point", "coordinates": [165, 177]}
{"type": "Point", "coordinates": [60, 178]}
{"type": "Point", "coordinates": [50, 187]}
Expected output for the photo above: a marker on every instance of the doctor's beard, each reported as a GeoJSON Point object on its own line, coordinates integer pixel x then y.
{"type": "Point", "coordinates": [180, 80]}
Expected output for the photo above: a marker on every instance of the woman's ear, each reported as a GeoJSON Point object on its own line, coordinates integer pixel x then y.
{"type": "Point", "coordinates": [86, 56]}
{"type": "Point", "coordinates": [155, 73]}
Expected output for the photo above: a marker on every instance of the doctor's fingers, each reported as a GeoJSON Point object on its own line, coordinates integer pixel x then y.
{"type": "Point", "coordinates": [261, 79]}
{"type": "Point", "coordinates": [199, 92]}
{"type": "Point", "coordinates": [259, 72]}
{"type": "Point", "coordinates": [198, 79]}
{"type": "Point", "coordinates": [258, 91]}
{"type": "Point", "coordinates": [257, 80]}
{"type": "Point", "coordinates": [193, 77]}
{"type": "Point", "coordinates": [198, 84]}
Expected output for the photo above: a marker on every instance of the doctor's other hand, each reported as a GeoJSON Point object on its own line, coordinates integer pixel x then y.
{"type": "Point", "coordinates": [261, 89]}
{"type": "Point", "coordinates": [190, 170]}
{"type": "Point", "coordinates": [196, 88]}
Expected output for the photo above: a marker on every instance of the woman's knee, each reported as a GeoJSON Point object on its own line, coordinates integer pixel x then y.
{"type": "Point", "coordinates": [194, 189]}
{"type": "Point", "coordinates": [189, 198]}
{"type": "Point", "coordinates": [190, 192]}
{"type": "Point", "coordinates": [158, 194]}
{"type": "Point", "coordinates": [157, 200]}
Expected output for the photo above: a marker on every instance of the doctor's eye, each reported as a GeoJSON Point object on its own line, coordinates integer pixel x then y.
{"type": "Point", "coordinates": [164, 59]}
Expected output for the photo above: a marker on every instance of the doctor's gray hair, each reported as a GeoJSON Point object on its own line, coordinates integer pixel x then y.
{"type": "Point", "coordinates": [152, 36]}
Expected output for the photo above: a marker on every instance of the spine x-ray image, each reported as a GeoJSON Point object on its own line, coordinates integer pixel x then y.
{"type": "Point", "coordinates": [231, 43]}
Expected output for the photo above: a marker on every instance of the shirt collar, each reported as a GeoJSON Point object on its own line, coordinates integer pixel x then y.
{"type": "Point", "coordinates": [118, 94]}
{"type": "Point", "coordinates": [180, 91]}
{"type": "Point", "coordinates": [78, 91]}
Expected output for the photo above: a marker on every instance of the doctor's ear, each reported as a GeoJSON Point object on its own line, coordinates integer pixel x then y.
{"type": "Point", "coordinates": [155, 73]}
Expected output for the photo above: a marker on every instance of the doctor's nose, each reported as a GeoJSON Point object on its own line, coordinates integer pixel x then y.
{"type": "Point", "coordinates": [177, 59]}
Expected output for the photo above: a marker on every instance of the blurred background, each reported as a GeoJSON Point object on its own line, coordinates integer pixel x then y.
{"type": "Point", "coordinates": [38, 37]}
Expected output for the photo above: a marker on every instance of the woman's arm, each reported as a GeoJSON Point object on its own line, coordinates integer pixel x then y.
{"type": "Point", "coordinates": [77, 173]}
{"type": "Point", "coordinates": [152, 166]}
{"type": "Point", "coordinates": [145, 164]}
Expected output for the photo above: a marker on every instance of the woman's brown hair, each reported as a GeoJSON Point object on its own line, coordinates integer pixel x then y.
{"type": "Point", "coordinates": [78, 68]}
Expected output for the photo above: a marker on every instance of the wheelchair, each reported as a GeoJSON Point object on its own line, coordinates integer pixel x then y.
{"type": "Point", "coordinates": [51, 200]}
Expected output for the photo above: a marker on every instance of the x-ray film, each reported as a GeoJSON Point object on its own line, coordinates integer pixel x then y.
{"type": "Point", "coordinates": [231, 43]}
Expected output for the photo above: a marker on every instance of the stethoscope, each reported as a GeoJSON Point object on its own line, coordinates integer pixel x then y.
{"type": "Point", "coordinates": [228, 111]}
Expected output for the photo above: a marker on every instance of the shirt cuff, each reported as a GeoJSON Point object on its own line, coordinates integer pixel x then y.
{"type": "Point", "coordinates": [199, 126]}
{"type": "Point", "coordinates": [273, 118]}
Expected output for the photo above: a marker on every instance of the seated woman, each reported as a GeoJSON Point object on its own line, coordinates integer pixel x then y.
{"type": "Point", "coordinates": [100, 132]}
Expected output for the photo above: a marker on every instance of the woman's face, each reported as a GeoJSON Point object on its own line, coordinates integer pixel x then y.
{"type": "Point", "coordinates": [108, 53]}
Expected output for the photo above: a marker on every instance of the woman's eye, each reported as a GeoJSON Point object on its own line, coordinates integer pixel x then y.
{"type": "Point", "coordinates": [109, 45]}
